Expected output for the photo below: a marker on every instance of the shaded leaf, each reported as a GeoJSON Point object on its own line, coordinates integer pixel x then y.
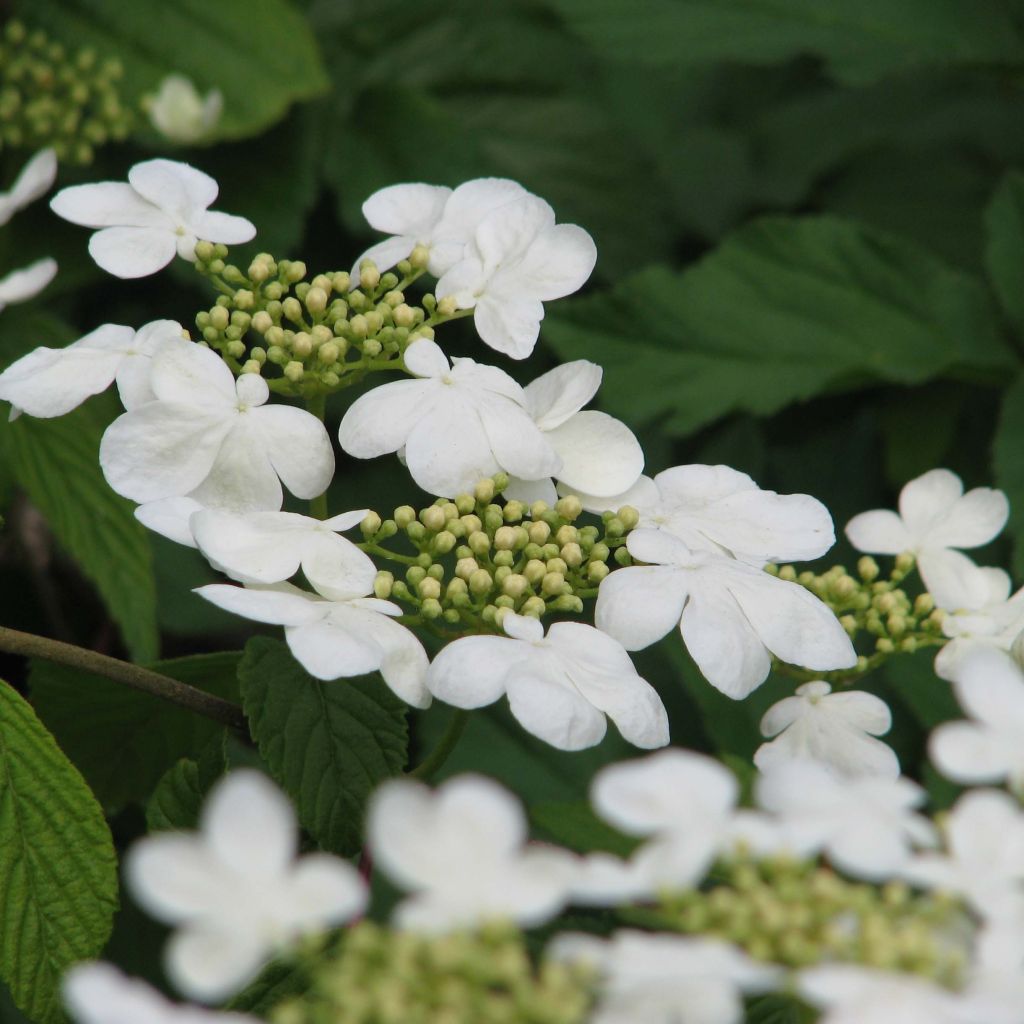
{"type": "Point", "coordinates": [1008, 462]}
{"type": "Point", "coordinates": [1004, 252]}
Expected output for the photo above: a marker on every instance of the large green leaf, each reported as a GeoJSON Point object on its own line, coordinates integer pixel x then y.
{"type": "Point", "coordinates": [1008, 461]}
{"type": "Point", "coordinates": [859, 41]}
{"type": "Point", "coordinates": [785, 309]}
{"type": "Point", "coordinates": [262, 57]}
{"type": "Point", "coordinates": [1004, 252]}
{"type": "Point", "coordinates": [327, 743]}
{"type": "Point", "coordinates": [121, 740]}
{"type": "Point", "coordinates": [58, 871]}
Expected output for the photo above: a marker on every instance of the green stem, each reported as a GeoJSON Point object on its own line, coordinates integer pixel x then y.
{"type": "Point", "coordinates": [375, 549]}
{"type": "Point", "coordinates": [28, 645]}
{"type": "Point", "coordinates": [317, 405]}
{"type": "Point", "coordinates": [437, 757]}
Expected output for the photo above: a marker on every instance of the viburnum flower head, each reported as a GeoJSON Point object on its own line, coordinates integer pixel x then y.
{"type": "Point", "coordinates": [559, 687]}
{"type": "Point", "coordinates": [234, 891]}
{"type": "Point", "coordinates": [27, 282]}
{"type": "Point", "coordinates": [53, 381]}
{"type": "Point", "coordinates": [457, 423]}
{"type": "Point", "coordinates": [517, 259]}
{"type": "Point", "coordinates": [836, 729]}
{"type": "Point", "coordinates": [732, 616]}
{"type": "Point", "coordinates": [34, 179]}
{"type": "Point", "coordinates": [934, 520]}
{"type": "Point", "coordinates": [460, 852]}
{"type": "Point", "coordinates": [160, 212]}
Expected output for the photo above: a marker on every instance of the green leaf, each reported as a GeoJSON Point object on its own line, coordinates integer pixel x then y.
{"type": "Point", "coordinates": [858, 41]}
{"type": "Point", "coordinates": [329, 744]}
{"type": "Point", "coordinates": [1008, 462]}
{"type": "Point", "coordinates": [783, 310]}
{"type": "Point", "coordinates": [121, 740]}
{"type": "Point", "coordinates": [1004, 251]}
{"type": "Point", "coordinates": [58, 871]}
{"type": "Point", "coordinates": [575, 825]}
{"type": "Point", "coordinates": [177, 799]}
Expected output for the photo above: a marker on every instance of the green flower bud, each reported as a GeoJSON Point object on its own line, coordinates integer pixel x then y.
{"type": "Point", "coordinates": [252, 366]}
{"type": "Point", "coordinates": [244, 299]}
{"type": "Point", "coordinates": [480, 581]}
{"type": "Point", "coordinates": [484, 491]}
{"type": "Point", "coordinates": [924, 604]}
{"type": "Point", "coordinates": [614, 527]}
{"type": "Point", "coordinates": [210, 334]}
{"type": "Point", "coordinates": [433, 518]}
{"type": "Point", "coordinates": [600, 553]}
{"type": "Point", "coordinates": [275, 336]}
{"type": "Point", "coordinates": [341, 281]}
{"type": "Point", "coordinates": [479, 543]}
{"type": "Point", "coordinates": [465, 503]}
{"type": "Point", "coordinates": [420, 257]}
{"type": "Point", "coordinates": [369, 275]}
{"type": "Point", "coordinates": [472, 523]}
{"type": "Point", "coordinates": [904, 562]}
{"type": "Point", "coordinates": [628, 516]}
{"type": "Point", "coordinates": [534, 570]}
{"type": "Point", "coordinates": [219, 318]}
{"type": "Point", "coordinates": [506, 538]}
{"type": "Point", "coordinates": [296, 271]}
{"type": "Point", "coordinates": [294, 372]}
{"type": "Point", "coordinates": [328, 354]}
{"type": "Point", "coordinates": [431, 608]}
{"type": "Point", "coordinates": [465, 567]}
{"type": "Point", "coordinates": [404, 316]}
{"type": "Point", "coordinates": [261, 322]}
{"type": "Point", "coordinates": [292, 309]}
{"type": "Point", "coordinates": [370, 524]}
{"type": "Point", "coordinates": [884, 645]}
{"type": "Point", "coordinates": [787, 573]}
{"type": "Point", "coordinates": [235, 349]}
{"type": "Point", "coordinates": [505, 558]}
{"type": "Point", "coordinates": [534, 606]}
{"type": "Point", "coordinates": [273, 291]}
{"type": "Point", "coordinates": [556, 565]}
{"type": "Point", "coordinates": [538, 532]}
{"type": "Point", "coordinates": [204, 251]}
{"type": "Point", "coordinates": [456, 587]}
{"type": "Point", "coordinates": [382, 585]}
{"type": "Point", "coordinates": [572, 555]}
{"type": "Point", "coordinates": [416, 532]}
{"type": "Point", "coordinates": [596, 571]}
{"type": "Point", "coordinates": [444, 542]}
{"type": "Point", "coordinates": [404, 515]}
{"type": "Point", "coordinates": [567, 603]}
{"type": "Point", "coordinates": [514, 585]}
{"type": "Point", "coordinates": [415, 574]}
{"type": "Point", "coordinates": [552, 583]}
{"type": "Point", "coordinates": [622, 556]}
{"type": "Point", "coordinates": [566, 535]}
{"type": "Point", "coordinates": [429, 588]}
{"type": "Point", "coordinates": [277, 355]}
{"type": "Point", "coordinates": [302, 345]}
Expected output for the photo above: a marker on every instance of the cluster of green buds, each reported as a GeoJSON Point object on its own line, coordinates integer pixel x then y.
{"type": "Point", "coordinates": [52, 97]}
{"type": "Point", "coordinates": [475, 560]}
{"type": "Point", "coordinates": [487, 977]}
{"type": "Point", "coordinates": [871, 606]}
{"type": "Point", "coordinates": [797, 913]}
{"type": "Point", "coordinates": [320, 334]}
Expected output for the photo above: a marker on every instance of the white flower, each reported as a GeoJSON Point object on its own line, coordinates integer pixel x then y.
{"type": "Point", "coordinates": [719, 509]}
{"type": "Point", "coordinates": [996, 980]}
{"type": "Point", "coordinates": [836, 729]}
{"type": "Point", "coordinates": [990, 746]}
{"type": "Point", "coordinates": [26, 283]}
{"type": "Point", "coordinates": [666, 979]}
{"type": "Point", "coordinates": [436, 218]}
{"type": "Point", "coordinates": [234, 890]}
{"type": "Point", "coordinates": [214, 439]}
{"type": "Point", "coordinates": [600, 455]}
{"type": "Point", "coordinates": [180, 114]}
{"type": "Point", "coordinates": [865, 826]}
{"type": "Point", "coordinates": [35, 178]}
{"type": "Point", "coordinates": [517, 259]}
{"type": "Point", "coordinates": [935, 517]}
{"type": "Point", "coordinates": [161, 211]}
{"type": "Point", "coordinates": [53, 381]}
{"type": "Point", "coordinates": [98, 993]}
{"type": "Point", "coordinates": [460, 851]}
{"type": "Point", "coordinates": [559, 687]}
{"type": "Point", "coordinates": [732, 616]}
{"type": "Point", "coordinates": [332, 639]}
{"type": "Point", "coordinates": [457, 423]}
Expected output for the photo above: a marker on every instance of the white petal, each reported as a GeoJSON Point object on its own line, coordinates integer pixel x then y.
{"type": "Point", "coordinates": [465, 208]}
{"type": "Point", "coordinates": [132, 252]}
{"type": "Point", "coordinates": [639, 605]}
{"type": "Point", "coordinates": [990, 688]}
{"type": "Point", "coordinates": [953, 579]}
{"type": "Point", "coordinates": [448, 452]}
{"type": "Point", "coordinates": [965, 753]}
{"type": "Point", "coordinates": [32, 181]}
{"type": "Point", "coordinates": [385, 254]}
{"type": "Point", "coordinates": [783, 714]}
{"type": "Point", "coordinates": [558, 262]}
{"type": "Point", "coordinates": [27, 282]}
{"type": "Point", "coordinates": [658, 547]}
{"type": "Point", "coordinates": [279, 605]}
{"type": "Point", "coordinates": [170, 518]}
{"type": "Point", "coordinates": [507, 233]}
{"type": "Point", "coordinates": [464, 281]}
{"type": "Point", "coordinates": [298, 447]}
{"type": "Point", "coordinates": [529, 491]}
{"type": "Point", "coordinates": [600, 455]}
{"type": "Point", "coordinates": [925, 501]}
{"type": "Point", "coordinates": [210, 964]}
{"type": "Point", "coordinates": [471, 672]}
{"type": "Point", "coordinates": [381, 420]}
{"type": "Point", "coordinates": [175, 877]}
{"type": "Point", "coordinates": [523, 627]}
{"type": "Point", "coordinates": [329, 651]}
{"type": "Point", "coordinates": [336, 568]}
{"type": "Point", "coordinates": [425, 359]}
{"type": "Point", "coordinates": [324, 890]}
{"type": "Point", "coordinates": [406, 209]}
{"type": "Point", "coordinates": [643, 496]}
{"type": "Point", "coordinates": [518, 445]}
{"type": "Point", "coordinates": [174, 186]}
{"type": "Point", "coordinates": [193, 375]}
{"type": "Point", "coordinates": [556, 395]}
{"type": "Point", "coordinates": [880, 532]}
{"type": "Point", "coordinates": [241, 478]}
{"type": "Point", "coordinates": [508, 323]}
{"type": "Point", "coordinates": [404, 664]}
{"type": "Point", "coordinates": [863, 710]}
{"type": "Point", "coordinates": [222, 227]}
{"type": "Point", "coordinates": [108, 204]}
{"type": "Point", "coordinates": [555, 713]}
{"type": "Point", "coordinates": [973, 520]}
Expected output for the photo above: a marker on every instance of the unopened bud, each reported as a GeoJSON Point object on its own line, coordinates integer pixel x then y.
{"type": "Point", "coordinates": [261, 322]}
{"type": "Point", "coordinates": [369, 275]}
{"type": "Point", "coordinates": [302, 345]}
{"type": "Point", "coordinates": [538, 532]}
{"type": "Point", "coordinates": [484, 491]}
{"type": "Point", "coordinates": [567, 603]}
{"type": "Point", "coordinates": [382, 585]}
{"type": "Point", "coordinates": [533, 606]}
{"type": "Point", "coordinates": [219, 318]}
{"type": "Point", "coordinates": [924, 604]}
{"type": "Point", "coordinates": [296, 271]}
{"type": "Point", "coordinates": [472, 523]}
{"type": "Point", "coordinates": [294, 371]}
{"type": "Point", "coordinates": [252, 366]}
{"type": "Point", "coordinates": [444, 542]}
{"type": "Point", "coordinates": [596, 571]}
{"type": "Point", "coordinates": [447, 306]}
{"type": "Point", "coordinates": [505, 538]}
{"type": "Point", "coordinates": [429, 588]}
{"type": "Point", "coordinates": [570, 507]}
{"type": "Point", "coordinates": [433, 518]}
{"type": "Point", "coordinates": [328, 354]}
{"type": "Point", "coordinates": [204, 251]}
{"type": "Point", "coordinates": [479, 543]}
{"type": "Point", "coordinates": [867, 568]}
{"type": "Point", "coordinates": [341, 281]}
{"type": "Point", "coordinates": [905, 562]}
{"type": "Point", "coordinates": [552, 582]}
{"type": "Point", "coordinates": [419, 257]}
{"type": "Point", "coordinates": [628, 516]}
{"type": "Point", "coordinates": [431, 608]}
{"type": "Point", "coordinates": [572, 555]}
{"type": "Point", "coordinates": [480, 581]}
{"type": "Point", "coordinates": [514, 585]}
{"type": "Point", "coordinates": [244, 299]}
{"type": "Point", "coordinates": [404, 316]}
{"type": "Point", "coordinates": [370, 524]}
{"type": "Point", "coordinates": [404, 515]}
{"type": "Point", "coordinates": [534, 570]}
{"type": "Point", "coordinates": [465, 567]}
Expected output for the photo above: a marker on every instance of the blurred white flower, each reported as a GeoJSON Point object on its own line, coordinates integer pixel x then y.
{"type": "Point", "coordinates": [27, 282]}
{"type": "Point", "coordinates": [162, 210]}
{"type": "Point", "coordinates": [732, 616]}
{"type": "Point", "coordinates": [559, 687]}
{"type": "Point", "coordinates": [517, 259]}
{"type": "Point", "coordinates": [995, 983]}
{"type": "Point", "coordinates": [34, 179]}
{"type": "Point", "coordinates": [234, 890]}
{"type": "Point", "coordinates": [180, 113]}
{"type": "Point", "coordinates": [460, 852]}
{"type": "Point", "coordinates": [935, 518]}
{"type": "Point", "coordinates": [837, 729]}
{"type": "Point", "coordinates": [457, 423]}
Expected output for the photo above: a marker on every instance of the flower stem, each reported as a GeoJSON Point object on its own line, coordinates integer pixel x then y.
{"type": "Point", "coordinates": [437, 757]}
{"type": "Point", "coordinates": [317, 405]}
{"type": "Point", "coordinates": [29, 645]}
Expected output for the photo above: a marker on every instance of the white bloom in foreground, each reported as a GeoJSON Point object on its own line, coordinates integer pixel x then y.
{"type": "Point", "coordinates": [34, 179]}
{"type": "Point", "coordinates": [989, 747]}
{"type": "Point", "coordinates": [27, 282]}
{"type": "Point", "coordinates": [436, 218]}
{"type": "Point", "coordinates": [996, 981]}
{"type": "Point", "coordinates": [332, 639]}
{"type": "Point", "coordinates": [732, 616]}
{"type": "Point", "coordinates": [180, 113]}
{"type": "Point", "coordinates": [214, 439]}
{"type": "Point", "coordinates": [719, 509]}
{"type": "Point", "coordinates": [666, 979]}
{"type": "Point", "coordinates": [458, 424]}
{"type": "Point", "coordinates": [935, 518]}
{"type": "Point", "coordinates": [161, 211]}
{"type": "Point", "coordinates": [98, 993]}
{"type": "Point", "coordinates": [837, 729]}
{"type": "Point", "coordinates": [865, 826]}
{"type": "Point", "coordinates": [234, 890]}
{"type": "Point", "coordinates": [559, 687]}
{"type": "Point", "coordinates": [600, 455]}
{"type": "Point", "coordinates": [53, 381]}
{"type": "Point", "coordinates": [518, 259]}
{"type": "Point", "coordinates": [460, 851]}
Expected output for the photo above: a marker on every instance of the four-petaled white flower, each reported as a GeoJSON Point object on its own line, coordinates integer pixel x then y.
{"type": "Point", "coordinates": [53, 381]}
{"type": "Point", "coordinates": [98, 993]}
{"type": "Point", "coordinates": [234, 891]}
{"type": "Point", "coordinates": [836, 729]}
{"type": "Point", "coordinates": [559, 687]}
{"type": "Point", "coordinates": [457, 423]}
{"type": "Point", "coordinates": [666, 979]}
{"type": "Point", "coordinates": [162, 210]}
{"type": "Point", "coordinates": [518, 259]}
{"type": "Point", "coordinates": [935, 518]}
{"type": "Point", "coordinates": [180, 114]}
{"type": "Point", "coordinates": [460, 852]}
{"type": "Point", "coordinates": [214, 439]}
{"type": "Point", "coordinates": [732, 616]}
{"type": "Point", "coordinates": [27, 282]}
{"type": "Point", "coordinates": [33, 180]}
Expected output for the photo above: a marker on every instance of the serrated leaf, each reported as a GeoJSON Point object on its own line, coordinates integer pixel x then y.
{"type": "Point", "coordinates": [1008, 462]}
{"type": "Point", "coordinates": [58, 871]}
{"type": "Point", "coordinates": [783, 310]}
{"type": "Point", "coordinates": [177, 799]}
{"type": "Point", "coordinates": [329, 744]}
{"type": "Point", "coordinates": [1004, 250]}
{"type": "Point", "coordinates": [121, 740]}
